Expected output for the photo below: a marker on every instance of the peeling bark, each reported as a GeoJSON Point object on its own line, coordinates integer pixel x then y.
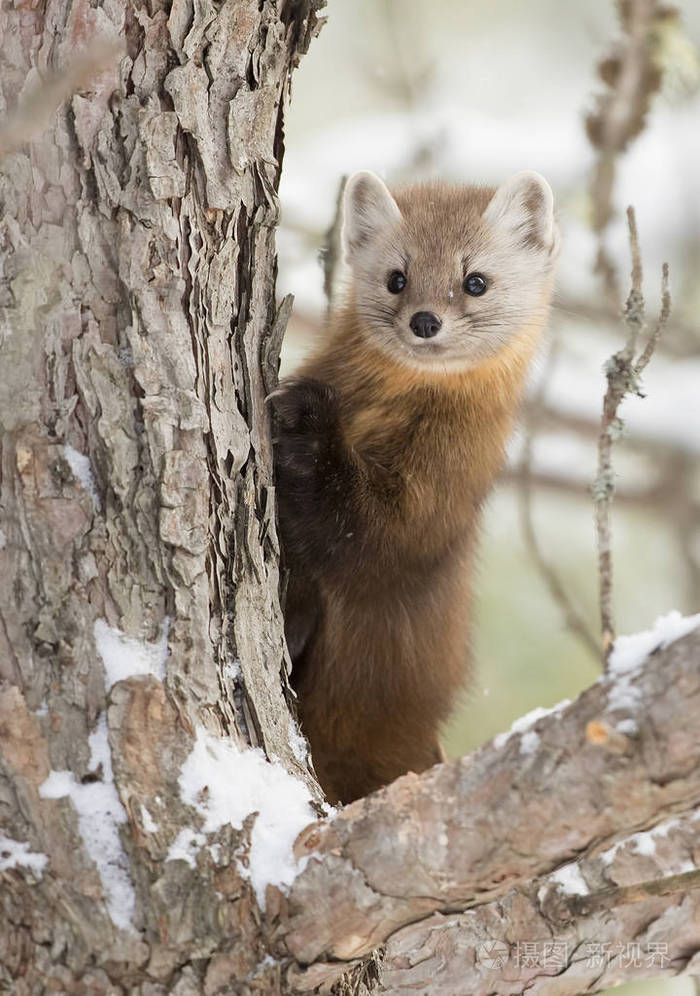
{"type": "Point", "coordinates": [137, 297]}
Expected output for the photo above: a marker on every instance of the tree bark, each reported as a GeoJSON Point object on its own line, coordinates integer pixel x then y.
{"type": "Point", "coordinates": [136, 505]}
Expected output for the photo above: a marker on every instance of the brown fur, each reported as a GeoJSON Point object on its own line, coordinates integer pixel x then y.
{"type": "Point", "coordinates": [379, 527]}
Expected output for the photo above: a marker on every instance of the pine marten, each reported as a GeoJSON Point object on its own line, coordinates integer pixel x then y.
{"type": "Point", "coordinates": [387, 442]}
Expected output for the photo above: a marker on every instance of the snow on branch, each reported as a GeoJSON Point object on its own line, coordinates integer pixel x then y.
{"type": "Point", "coordinates": [550, 836]}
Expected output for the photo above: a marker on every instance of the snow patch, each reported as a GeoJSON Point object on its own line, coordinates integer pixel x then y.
{"type": "Point", "coordinates": [643, 842]}
{"type": "Point", "coordinates": [16, 852]}
{"type": "Point", "coordinates": [297, 742]}
{"type": "Point", "coordinates": [569, 879]}
{"type": "Point", "coordinates": [100, 813]}
{"type": "Point", "coordinates": [623, 696]}
{"type": "Point", "coordinates": [630, 652]}
{"type": "Point", "coordinates": [82, 472]}
{"type": "Point", "coordinates": [149, 824]}
{"type": "Point", "coordinates": [185, 846]}
{"type": "Point", "coordinates": [225, 785]}
{"type": "Point", "coordinates": [124, 657]}
{"type": "Point", "coordinates": [232, 670]}
{"type": "Point", "coordinates": [529, 742]}
{"type": "Point", "coordinates": [523, 723]}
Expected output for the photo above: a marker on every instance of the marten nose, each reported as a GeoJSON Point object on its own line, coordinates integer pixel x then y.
{"type": "Point", "coordinates": [425, 324]}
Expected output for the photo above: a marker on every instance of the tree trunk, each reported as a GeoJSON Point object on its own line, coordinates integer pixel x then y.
{"type": "Point", "coordinates": [137, 514]}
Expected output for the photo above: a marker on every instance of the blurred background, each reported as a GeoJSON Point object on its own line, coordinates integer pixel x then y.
{"type": "Point", "coordinates": [476, 92]}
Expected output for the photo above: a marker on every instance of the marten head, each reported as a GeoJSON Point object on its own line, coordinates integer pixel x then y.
{"type": "Point", "coordinates": [448, 275]}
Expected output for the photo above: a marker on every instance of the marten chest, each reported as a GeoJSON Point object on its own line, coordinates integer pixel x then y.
{"type": "Point", "coordinates": [438, 458]}
{"type": "Point", "coordinates": [377, 427]}
{"type": "Point", "coordinates": [416, 441]}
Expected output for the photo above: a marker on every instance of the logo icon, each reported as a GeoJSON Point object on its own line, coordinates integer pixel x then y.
{"type": "Point", "coordinates": [492, 954]}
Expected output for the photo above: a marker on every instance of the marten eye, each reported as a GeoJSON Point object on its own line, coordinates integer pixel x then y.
{"type": "Point", "coordinates": [396, 282]}
{"type": "Point", "coordinates": [475, 284]}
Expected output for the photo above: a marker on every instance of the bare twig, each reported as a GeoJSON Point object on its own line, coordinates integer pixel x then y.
{"type": "Point", "coordinates": [553, 483]}
{"type": "Point", "coordinates": [332, 249]}
{"type": "Point", "coordinates": [681, 337]}
{"type": "Point", "coordinates": [660, 325]}
{"type": "Point", "coordinates": [38, 106]}
{"type": "Point", "coordinates": [620, 895]}
{"type": "Point", "coordinates": [622, 372]}
{"type": "Point", "coordinates": [574, 619]}
{"type": "Point", "coordinates": [632, 74]}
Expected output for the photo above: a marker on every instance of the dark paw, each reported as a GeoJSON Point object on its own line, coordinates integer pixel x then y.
{"type": "Point", "coordinates": [313, 473]}
{"type": "Point", "coordinates": [304, 405]}
{"type": "Point", "coordinates": [306, 426]}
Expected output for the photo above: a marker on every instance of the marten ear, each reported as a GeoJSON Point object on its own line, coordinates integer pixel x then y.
{"type": "Point", "coordinates": [524, 205]}
{"type": "Point", "coordinates": [367, 208]}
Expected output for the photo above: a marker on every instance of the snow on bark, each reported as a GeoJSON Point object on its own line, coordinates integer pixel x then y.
{"type": "Point", "coordinates": [124, 657]}
{"type": "Point", "coordinates": [138, 508]}
{"type": "Point", "coordinates": [100, 815]}
{"type": "Point", "coordinates": [226, 786]}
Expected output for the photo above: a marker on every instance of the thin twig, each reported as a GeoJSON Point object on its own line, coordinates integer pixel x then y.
{"type": "Point", "coordinates": [660, 325]}
{"type": "Point", "coordinates": [37, 108]}
{"type": "Point", "coordinates": [332, 250]}
{"type": "Point", "coordinates": [552, 483]}
{"type": "Point", "coordinates": [571, 906]}
{"type": "Point", "coordinates": [632, 75]}
{"type": "Point", "coordinates": [573, 618]}
{"type": "Point", "coordinates": [622, 372]}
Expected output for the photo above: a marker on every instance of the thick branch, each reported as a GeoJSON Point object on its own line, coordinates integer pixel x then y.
{"type": "Point", "coordinates": [513, 946]}
{"type": "Point", "coordinates": [463, 836]}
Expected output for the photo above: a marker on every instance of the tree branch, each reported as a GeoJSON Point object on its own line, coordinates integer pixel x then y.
{"type": "Point", "coordinates": [46, 96]}
{"type": "Point", "coordinates": [632, 75]}
{"type": "Point", "coordinates": [487, 833]}
{"type": "Point", "coordinates": [514, 945]}
{"type": "Point", "coordinates": [623, 372]}
{"type": "Point", "coordinates": [572, 615]}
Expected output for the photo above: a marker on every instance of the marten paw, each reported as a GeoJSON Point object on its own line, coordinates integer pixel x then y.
{"type": "Point", "coordinates": [307, 427]}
